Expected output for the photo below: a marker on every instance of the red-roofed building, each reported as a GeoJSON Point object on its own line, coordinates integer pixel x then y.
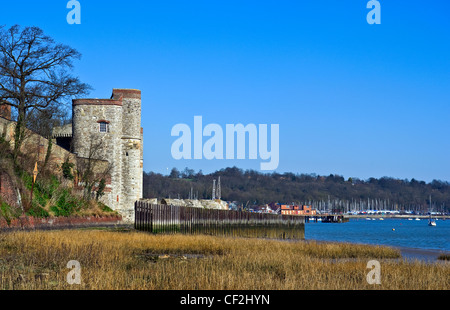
{"type": "Point", "coordinates": [297, 210]}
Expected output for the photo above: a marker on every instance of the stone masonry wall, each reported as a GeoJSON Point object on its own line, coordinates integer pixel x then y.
{"type": "Point", "coordinates": [132, 171]}
{"type": "Point", "coordinates": [122, 144]}
{"type": "Point", "coordinates": [8, 191]}
{"type": "Point", "coordinates": [87, 137]}
{"type": "Point", "coordinates": [36, 145]}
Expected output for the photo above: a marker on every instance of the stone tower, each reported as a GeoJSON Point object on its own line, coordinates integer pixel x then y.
{"type": "Point", "coordinates": [111, 128]}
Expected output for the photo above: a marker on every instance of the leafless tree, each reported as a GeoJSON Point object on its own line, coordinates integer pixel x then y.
{"type": "Point", "coordinates": [35, 74]}
{"type": "Point", "coordinates": [42, 122]}
{"type": "Point", "coordinates": [92, 169]}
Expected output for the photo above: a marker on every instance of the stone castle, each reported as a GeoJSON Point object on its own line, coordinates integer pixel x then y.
{"type": "Point", "coordinates": [113, 127]}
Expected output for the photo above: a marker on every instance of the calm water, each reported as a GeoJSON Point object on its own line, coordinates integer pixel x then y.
{"type": "Point", "coordinates": [411, 234]}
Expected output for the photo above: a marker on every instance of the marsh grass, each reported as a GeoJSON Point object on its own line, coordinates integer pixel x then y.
{"type": "Point", "coordinates": [130, 260]}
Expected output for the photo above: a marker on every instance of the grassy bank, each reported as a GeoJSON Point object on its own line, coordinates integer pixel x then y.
{"type": "Point", "coordinates": [135, 260]}
{"type": "Point", "coordinates": [53, 193]}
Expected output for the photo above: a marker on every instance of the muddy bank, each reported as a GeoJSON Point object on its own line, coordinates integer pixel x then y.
{"type": "Point", "coordinates": [421, 254]}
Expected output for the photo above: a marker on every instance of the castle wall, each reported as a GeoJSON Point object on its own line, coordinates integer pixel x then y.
{"type": "Point", "coordinates": [89, 142]}
{"type": "Point", "coordinates": [131, 111]}
{"type": "Point", "coordinates": [132, 174]}
{"type": "Point", "coordinates": [84, 116]}
{"type": "Point", "coordinates": [122, 145]}
{"type": "Point", "coordinates": [132, 170]}
{"type": "Point", "coordinates": [37, 145]}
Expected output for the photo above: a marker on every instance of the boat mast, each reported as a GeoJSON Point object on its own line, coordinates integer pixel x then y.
{"type": "Point", "coordinates": [429, 209]}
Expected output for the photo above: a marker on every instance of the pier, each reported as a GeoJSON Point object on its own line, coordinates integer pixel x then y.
{"type": "Point", "coordinates": [327, 218]}
{"type": "Point", "coordinates": [168, 219]}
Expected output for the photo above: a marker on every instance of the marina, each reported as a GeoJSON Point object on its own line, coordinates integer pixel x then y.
{"type": "Point", "coordinates": [411, 236]}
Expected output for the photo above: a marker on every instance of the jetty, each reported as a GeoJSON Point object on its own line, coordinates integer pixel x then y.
{"type": "Point", "coordinates": [170, 219]}
{"type": "Point", "coordinates": [327, 218]}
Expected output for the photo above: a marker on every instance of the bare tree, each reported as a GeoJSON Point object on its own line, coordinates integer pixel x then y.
{"type": "Point", "coordinates": [35, 74]}
{"type": "Point", "coordinates": [92, 170]}
{"type": "Point", "coordinates": [43, 122]}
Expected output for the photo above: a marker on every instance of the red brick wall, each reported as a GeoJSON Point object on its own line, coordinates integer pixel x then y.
{"type": "Point", "coordinates": [25, 222]}
{"type": "Point", "coordinates": [7, 190]}
{"type": "Point", "coordinates": [5, 111]}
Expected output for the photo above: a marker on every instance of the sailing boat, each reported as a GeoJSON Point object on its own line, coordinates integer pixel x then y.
{"type": "Point", "coordinates": [431, 222]}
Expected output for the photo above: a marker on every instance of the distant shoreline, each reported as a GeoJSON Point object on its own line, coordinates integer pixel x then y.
{"type": "Point", "coordinates": [398, 216]}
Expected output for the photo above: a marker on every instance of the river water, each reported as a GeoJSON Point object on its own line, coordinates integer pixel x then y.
{"type": "Point", "coordinates": [402, 233]}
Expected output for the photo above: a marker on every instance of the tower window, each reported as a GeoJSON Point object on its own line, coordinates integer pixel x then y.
{"type": "Point", "coordinates": [103, 126]}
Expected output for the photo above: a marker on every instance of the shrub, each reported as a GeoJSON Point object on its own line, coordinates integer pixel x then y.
{"type": "Point", "coordinates": [37, 210]}
{"type": "Point", "coordinates": [101, 189]}
{"type": "Point", "coordinates": [5, 211]}
{"type": "Point", "coordinates": [67, 170]}
{"type": "Point", "coordinates": [66, 204]}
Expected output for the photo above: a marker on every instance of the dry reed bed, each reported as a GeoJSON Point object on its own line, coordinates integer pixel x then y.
{"type": "Point", "coordinates": [135, 260]}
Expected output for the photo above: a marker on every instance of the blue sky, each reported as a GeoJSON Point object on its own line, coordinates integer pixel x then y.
{"type": "Point", "coordinates": [351, 98]}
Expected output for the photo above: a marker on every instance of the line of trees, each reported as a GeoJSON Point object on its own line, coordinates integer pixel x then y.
{"type": "Point", "coordinates": [333, 191]}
